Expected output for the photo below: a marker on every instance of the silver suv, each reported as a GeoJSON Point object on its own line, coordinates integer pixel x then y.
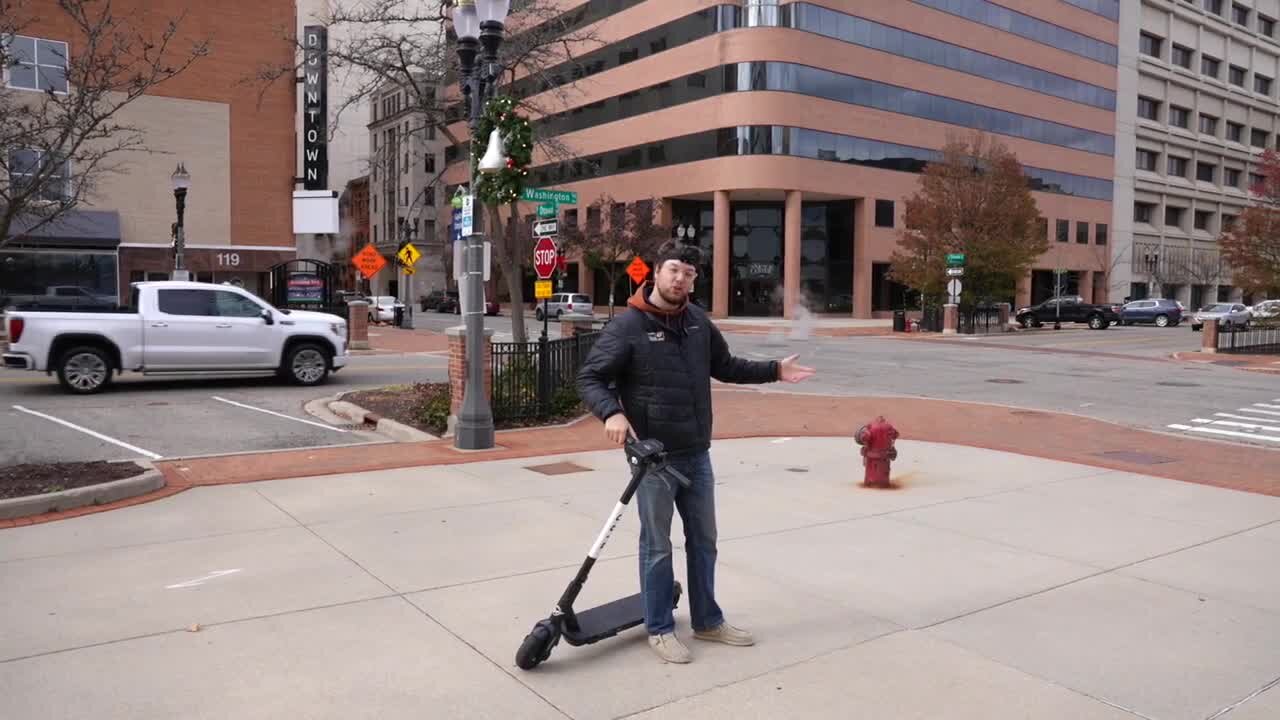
{"type": "Point", "coordinates": [564, 304]}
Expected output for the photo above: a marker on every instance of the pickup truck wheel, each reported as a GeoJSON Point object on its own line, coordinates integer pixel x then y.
{"type": "Point", "coordinates": [306, 364]}
{"type": "Point", "coordinates": [84, 370]}
{"type": "Point", "coordinates": [1097, 322]}
{"type": "Point", "coordinates": [1025, 321]}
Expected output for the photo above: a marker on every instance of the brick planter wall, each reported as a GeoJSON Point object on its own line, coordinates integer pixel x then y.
{"type": "Point", "coordinates": [458, 368]}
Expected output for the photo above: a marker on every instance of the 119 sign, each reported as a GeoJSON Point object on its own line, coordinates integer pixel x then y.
{"type": "Point", "coordinates": [544, 257]}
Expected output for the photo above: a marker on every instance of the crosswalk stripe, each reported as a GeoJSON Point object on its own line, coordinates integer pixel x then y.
{"type": "Point", "coordinates": [1231, 423]}
{"type": "Point", "coordinates": [1175, 426]}
{"type": "Point", "coordinates": [1260, 412]}
{"type": "Point", "coordinates": [1233, 433]}
{"type": "Point", "coordinates": [1264, 405]}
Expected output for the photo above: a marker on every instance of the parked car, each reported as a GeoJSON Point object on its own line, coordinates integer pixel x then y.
{"type": "Point", "coordinates": [1265, 310]}
{"type": "Point", "coordinates": [382, 308]}
{"type": "Point", "coordinates": [562, 303]}
{"type": "Point", "coordinates": [177, 328]}
{"type": "Point", "coordinates": [1068, 310]}
{"type": "Point", "coordinates": [61, 297]}
{"type": "Point", "coordinates": [1160, 311]}
{"type": "Point", "coordinates": [1230, 316]}
{"type": "Point", "coordinates": [451, 303]}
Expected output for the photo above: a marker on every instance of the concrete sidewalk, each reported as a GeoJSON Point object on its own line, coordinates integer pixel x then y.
{"type": "Point", "coordinates": [990, 585]}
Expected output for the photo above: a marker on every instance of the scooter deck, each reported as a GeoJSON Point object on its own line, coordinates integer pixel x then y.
{"type": "Point", "coordinates": [606, 620]}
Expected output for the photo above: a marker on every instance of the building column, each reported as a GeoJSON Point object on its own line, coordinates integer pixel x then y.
{"type": "Point", "coordinates": [863, 217]}
{"type": "Point", "coordinates": [791, 255]}
{"type": "Point", "coordinates": [720, 267]}
{"type": "Point", "coordinates": [1085, 285]}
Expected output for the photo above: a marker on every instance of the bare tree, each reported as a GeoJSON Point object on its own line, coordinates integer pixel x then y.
{"type": "Point", "coordinates": [632, 230]}
{"type": "Point", "coordinates": [403, 45]}
{"type": "Point", "coordinates": [1109, 261]}
{"type": "Point", "coordinates": [61, 131]}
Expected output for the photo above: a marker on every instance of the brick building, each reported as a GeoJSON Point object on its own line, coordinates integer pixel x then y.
{"type": "Point", "coordinates": [238, 147]}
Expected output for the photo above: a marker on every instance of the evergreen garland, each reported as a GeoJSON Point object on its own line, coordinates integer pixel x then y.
{"type": "Point", "coordinates": [517, 135]}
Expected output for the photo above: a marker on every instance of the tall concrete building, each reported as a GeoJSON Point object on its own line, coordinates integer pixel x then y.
{"type": "Point", "coordinates": [783, 137]}
{"type": "Point", "coordinates": [1197, 107]}
{"type": "Point", "coordinates": [406, 195]}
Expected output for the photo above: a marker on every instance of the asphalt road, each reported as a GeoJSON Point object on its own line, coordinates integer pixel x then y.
{"type": "Point", "coordinates": [149, 418]}
{"type": "Point", "coordinates": [1119, 375]}
{"type": "Point", "coordinates": [1061, 371]}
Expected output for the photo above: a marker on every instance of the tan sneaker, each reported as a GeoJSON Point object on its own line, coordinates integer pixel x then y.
{"type": "Point", "coordinates": [670, 648]}
{"type": "Point", "coordinates": [727, 634]}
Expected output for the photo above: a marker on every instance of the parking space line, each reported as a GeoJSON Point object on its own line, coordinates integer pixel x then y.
{"type": "Point", "coordinates": [87, 431]}
{"type": "Point", "coordinates": [279, 415]}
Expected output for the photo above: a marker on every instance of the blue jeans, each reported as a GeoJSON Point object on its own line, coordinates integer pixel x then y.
{"type": "Point", "coordinates": [655, 499]}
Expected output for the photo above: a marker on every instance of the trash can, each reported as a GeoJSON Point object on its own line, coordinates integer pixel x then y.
{"type": "Point", "coordinates": [899, 320]}
{"type": "Point", "coordinates": [399, 316]}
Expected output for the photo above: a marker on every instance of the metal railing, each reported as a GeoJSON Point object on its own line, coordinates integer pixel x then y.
{"type": "Point", "coordinates": [537, 379]}
{"type": "Point", "coordinates": [979, 320]}
{"type": "Point", "coordinates": [1259, 339]}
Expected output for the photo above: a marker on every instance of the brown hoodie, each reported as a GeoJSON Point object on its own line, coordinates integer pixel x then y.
{"type": "Point", "coordinates": [672, 318]}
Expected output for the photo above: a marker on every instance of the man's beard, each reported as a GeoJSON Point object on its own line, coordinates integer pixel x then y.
{"type": "Point", "coordinates": [672, 300]}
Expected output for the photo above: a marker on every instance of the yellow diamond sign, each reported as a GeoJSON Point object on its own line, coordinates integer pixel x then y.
{"type": "Point", "coordinates": [541, 289]}
{"type": "Point", "coordinates": [409, 255]}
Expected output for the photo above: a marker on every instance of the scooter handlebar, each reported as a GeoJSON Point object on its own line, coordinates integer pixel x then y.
{"type": "Point", "coordinates": [654, 455]}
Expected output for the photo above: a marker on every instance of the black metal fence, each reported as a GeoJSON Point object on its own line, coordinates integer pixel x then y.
{"type": "Point", "coordinates": [979, 320]}
{"type": "Point", "coordinates": [537, 379]}
{"type": "Point", "coordinates": [1264, 340]}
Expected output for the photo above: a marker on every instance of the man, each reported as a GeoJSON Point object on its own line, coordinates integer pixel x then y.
{"type": "Point", "coordinates": [662, 353]}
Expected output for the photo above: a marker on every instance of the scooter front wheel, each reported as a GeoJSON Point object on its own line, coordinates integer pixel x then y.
{"type": "Point", "coordinates": [537, 645]}
{"type": "Point", "coordinates": [675, 600]}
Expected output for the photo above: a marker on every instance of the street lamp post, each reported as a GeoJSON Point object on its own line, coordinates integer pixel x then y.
{"type": "Point", "coordinates": [181, 181]}
{"type": "Point", "coordinates": [477, 24]}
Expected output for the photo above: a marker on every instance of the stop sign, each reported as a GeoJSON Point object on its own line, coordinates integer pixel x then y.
{"type": "Point", "coordinates": [544, 257]}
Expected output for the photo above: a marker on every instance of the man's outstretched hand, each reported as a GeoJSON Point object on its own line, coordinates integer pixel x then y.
{"type": "Point", "coordinates": [790, 371]}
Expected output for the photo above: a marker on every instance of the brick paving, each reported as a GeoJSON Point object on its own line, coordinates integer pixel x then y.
{"type": "Point", "coordinates": [388, 340]}
{"type": "Point", "coordinates": [1253, 363]}
{"type": "Point", "coordinates": [748, 412]}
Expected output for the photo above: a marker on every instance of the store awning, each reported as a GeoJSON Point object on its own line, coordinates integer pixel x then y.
{"type": "Point", "coordinates": [79, 229]}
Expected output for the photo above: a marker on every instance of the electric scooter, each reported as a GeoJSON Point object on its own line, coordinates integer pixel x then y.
{"type": "Point", "coordinates": [598, 623]}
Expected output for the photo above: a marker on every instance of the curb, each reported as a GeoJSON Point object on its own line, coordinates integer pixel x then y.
{"type": "Point", "coordinates": [150, 480]}
{"type": "Point", "coordinates": [397, 431]}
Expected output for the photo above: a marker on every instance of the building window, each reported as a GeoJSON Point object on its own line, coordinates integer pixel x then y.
{"type": "Point", "coordinates": [1209, 66]}
{"type": "Point", "coordinates": [1213, 6]}
{"type": "Point", "coordinates": [1177, 166]}
{"type": "Point", "coordinates": [430, 164]}
{"type": "Point", "coordinates": [1236, 75]}
{"type": "Point", "coordinates": [1148, 108]}
{"type": "Point", "coordinates": [1181, 56]}
{"type": "Point", "coordinates": [1202, 219]}
{"type": "Point", "coordinates": [1205, 171]}
{"type": "Point", "coordinates": [1063, 230]}
{"type": "Point", "coordinates": [1150, 44]}
{"type": "Point", "coordinates": [1179, 117]}
{"type": "Point", "coordinates": [1142, 212]}
{"type": "Point", "coordinates": [1100, 233]}
{"type": "Point", "coordinates": [1266, 26]}
{"type": "Point", "coordinates": [25, 165]}
{"type": "Point", "coordinates": [1147, 160]}
{"type": "Point", "coordinates": [1082, 232]}
{"type": "Point", "coordinates": [884, 213]}
{"type": "Point", "coordinates": [1235, 131]}
{"type": "Point", "coordinates": [1240, 14]}
{"type": "Point", "coordinates": [1208, 124]}
{"type": "Point", "coordinates": [37, 64]}
{"type": "Point", "coordinates": [1261, 84]}
{"type": "Point", "coordinates": [430, 192]}
{"type": "Point", "coordinates": [1231, 177]}
{"type": "Point", "coordinates": [1255, 180]}
{"type": "Point", "coordinates": [1228, 222]}
{"type": "Point", "coordinates": [1173, 216]}
{"type": "Point", "coordinates": [1258, 138]}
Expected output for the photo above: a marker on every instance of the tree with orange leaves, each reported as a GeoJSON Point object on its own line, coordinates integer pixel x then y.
{"type": "Point", "coordinates": [1251, 246]}
{"type": "Point", "coordinates": [976, 201]}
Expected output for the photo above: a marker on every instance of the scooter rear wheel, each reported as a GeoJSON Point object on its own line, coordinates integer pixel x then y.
{"type": "Point", "coordinates": [537, 645]}
{"type": "Point", "coordinates": [675, 600]}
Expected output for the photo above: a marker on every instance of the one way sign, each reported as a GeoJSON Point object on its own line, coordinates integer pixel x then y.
{"type": "Point", "coordinates": [544, 228]}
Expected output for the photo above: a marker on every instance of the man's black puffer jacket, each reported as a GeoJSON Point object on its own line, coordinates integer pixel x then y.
{"type": "Point", "coordinates": [663, 365]}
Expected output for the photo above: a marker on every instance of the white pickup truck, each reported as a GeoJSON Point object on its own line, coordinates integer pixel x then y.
{"type": "Point", "coordinates": [177, 328]}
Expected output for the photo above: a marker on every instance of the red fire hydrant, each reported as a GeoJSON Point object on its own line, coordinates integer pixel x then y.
{"type": "Point", "coordinates": [876, 439]}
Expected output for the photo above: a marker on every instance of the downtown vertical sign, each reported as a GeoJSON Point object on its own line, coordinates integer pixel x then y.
{"type": "Point", "coordinates": [315, 108]}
